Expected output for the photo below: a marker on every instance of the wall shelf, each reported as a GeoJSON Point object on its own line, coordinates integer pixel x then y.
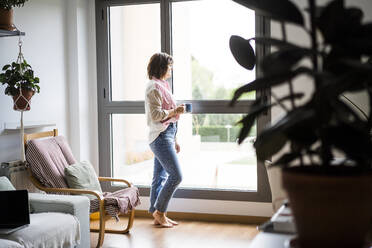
{"type": "Point", "coordinates": [12, 126]}
{"type": "Point", "coordinates": [7, 33]}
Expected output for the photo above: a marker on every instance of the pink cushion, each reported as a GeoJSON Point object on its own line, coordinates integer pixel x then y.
{"type": "Point", "coordinates": [47, 159]}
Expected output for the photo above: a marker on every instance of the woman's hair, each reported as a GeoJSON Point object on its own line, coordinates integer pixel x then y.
{"type": "Point", "coordinates": [158, 65]}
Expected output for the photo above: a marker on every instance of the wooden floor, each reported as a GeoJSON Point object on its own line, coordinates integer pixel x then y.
{"type": "Point", "coordinates": [190, 234]}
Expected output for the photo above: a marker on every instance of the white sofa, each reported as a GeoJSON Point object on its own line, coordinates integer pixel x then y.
{"type": "Point", "coordinates": [55, 221]}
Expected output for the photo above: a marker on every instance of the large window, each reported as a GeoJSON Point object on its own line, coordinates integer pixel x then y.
{"type": "Point", "coordinates": [196, 33]}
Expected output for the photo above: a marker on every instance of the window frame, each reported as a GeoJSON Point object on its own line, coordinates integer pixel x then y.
{"type": "Point", "coordinates": [106, 107]}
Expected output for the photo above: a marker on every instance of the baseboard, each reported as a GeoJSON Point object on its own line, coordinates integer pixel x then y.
{"type": "Point", "coordinates": [241, 219]}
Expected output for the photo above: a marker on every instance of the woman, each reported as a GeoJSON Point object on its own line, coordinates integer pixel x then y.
{"type": "Point", "coordinates": [162, 114]}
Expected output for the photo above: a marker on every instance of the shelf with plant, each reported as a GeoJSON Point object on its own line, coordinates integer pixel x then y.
{"type": "Point", "coordinates": [6, 13]}
{"type": "Point", "coordinates": [324, 195]}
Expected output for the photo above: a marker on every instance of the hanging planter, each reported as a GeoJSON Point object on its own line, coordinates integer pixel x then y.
{"type": "Point", "coordinates": [6, 13]}
{"type": "Point", "coordinates": [20, 81]}
{"type": "Point", "coordinates": [22, 101]}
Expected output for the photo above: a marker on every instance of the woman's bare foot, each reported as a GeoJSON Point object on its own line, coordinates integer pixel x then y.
{"type": "Point", "coordinates": [161, 219]}
{"type": "Point", "coordinates": [175, 223]}
{"type": "Point", "coordinates": [156, 223]}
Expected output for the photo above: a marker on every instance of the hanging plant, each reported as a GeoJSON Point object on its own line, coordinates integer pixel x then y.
{"type": "Point", "coordinates": [6, 13]}
{"type": "Point", "coordinates": [20, 83]}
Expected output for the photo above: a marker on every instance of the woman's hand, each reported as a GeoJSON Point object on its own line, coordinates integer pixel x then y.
{"type": "Point", "coordinates": [180, 109]}
{"type": "Point", "coordinates": [178, 147]}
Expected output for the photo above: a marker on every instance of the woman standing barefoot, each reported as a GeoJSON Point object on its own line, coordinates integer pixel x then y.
{"type": "Point", "coordinates": [162, 115]}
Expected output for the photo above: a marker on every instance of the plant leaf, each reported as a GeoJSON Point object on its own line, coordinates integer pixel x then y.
{"type": "Point", "coordinates": [267, 82]}
{"type": "Point", "coordinates": [242, 52]}
{"type": "Point", "coordinates": [345, 137]}
{"type": "Point", "coordinates": [359, 46]}
{"type": "Point", "coordinates": [286, 159]}
{"type": "Point", "coordinates": [295, 96]}
{"type": "Point", "coordinates": [282, 10]}
{"type": "Point", "coordinates": [318, 11]}
{"type": "Point", "coordinates": [248, 123]}
{"type": "Point", "coordinates": [268, 143]}
{"type": "Point", "coordinates": [336, 22]}
{"type": "Point", "coordinates": [366, 30]}
{"type": "Point", "coordinates": [256, 109]}
{"type": "Point", "coordinates": [37, 88]}
{"type": "Point", "coordinates": [272, 139]}
{"type": "Point", "coordinates": [274, 42]}
{"type": "Point", "coordinates": [283, 60]}
{"type": "Point", "coordinates": [6, 67]}
{"type": "Point", "coordinates": [352, 81]}
{"type": "Point", "coordinates": [332, 62]}
{"type": "Point", "coordinates": [301, 130]}
{"type": "Point", "coordinates": [355, 16]}
{"type": "Point", "coordinates": [366, 67]}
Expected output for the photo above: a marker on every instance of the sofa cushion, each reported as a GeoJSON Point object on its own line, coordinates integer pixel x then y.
{"type": "Point", "coordinates": [5, 184]}
{"type": "Point", "coordinates": [48, 230]}
{"type": "Point", "coordinates": [81, 175]}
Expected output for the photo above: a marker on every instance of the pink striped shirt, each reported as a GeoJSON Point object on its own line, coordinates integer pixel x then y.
{"type": "Point", "coordinates": [158, 101]}
{"type": "Point", "coordinates": [168, 101]}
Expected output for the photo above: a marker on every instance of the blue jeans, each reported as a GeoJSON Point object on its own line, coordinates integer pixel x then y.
{"type": "Point", "coordinates": [167, 173]}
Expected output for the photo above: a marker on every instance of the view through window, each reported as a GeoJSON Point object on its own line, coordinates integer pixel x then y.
{"type": "Point", "coordinates": [204, 71]}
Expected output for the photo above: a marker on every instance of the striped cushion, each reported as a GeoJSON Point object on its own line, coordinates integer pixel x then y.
{"type": "Point", "coordinates": [66, 150]}
{"type": "Point", "coordinates": [47, 159]}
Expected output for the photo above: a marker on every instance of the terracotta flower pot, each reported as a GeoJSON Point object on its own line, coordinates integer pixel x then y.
{"type": "Point", "coordinates": [22, 102]}
{"type": "Point", "coordinates": [6, 19]}
{"type": "Point", "coordinates": [330, 211]}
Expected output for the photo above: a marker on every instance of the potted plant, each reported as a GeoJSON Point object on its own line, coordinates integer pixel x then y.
{"type": "Point", "coordinates": [6, 13]}
{"type": "Point", "coordinates": [331, 201]}
{"type": "Point", "coordinates": [20, 83]}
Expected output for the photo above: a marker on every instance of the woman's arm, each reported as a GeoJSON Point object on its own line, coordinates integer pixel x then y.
{"type": "Point", "coordinates": [157, 113]}
{"type": "Point", "coordinates": [155, 107]}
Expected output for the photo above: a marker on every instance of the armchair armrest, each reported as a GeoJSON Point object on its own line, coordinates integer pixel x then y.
{"type": "Point", "coordinates": [58, 203]}
{"type": "Point", "coordinates": [109, 179]}
{"type": "Point", "coordinates": [75, 205]}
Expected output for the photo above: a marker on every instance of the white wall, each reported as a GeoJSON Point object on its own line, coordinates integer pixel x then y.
{"type": "Point", "coordinates": [44, 49]}
{"type": "Point", "coordinates": [60, 45]}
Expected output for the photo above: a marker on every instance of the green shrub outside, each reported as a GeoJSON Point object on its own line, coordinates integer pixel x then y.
{"type": "Point", "coordinates": [219, 133]}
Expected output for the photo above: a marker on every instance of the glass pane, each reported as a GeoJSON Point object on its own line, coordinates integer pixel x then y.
{"type": "Point", "coordinates": [210, 158]}
{"type": "Point", "coordinates": [134, 37]}
{"type": "Point", "coordinates": [204, 68]}
{"type": "Point", "coordinates": [132, 157]}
